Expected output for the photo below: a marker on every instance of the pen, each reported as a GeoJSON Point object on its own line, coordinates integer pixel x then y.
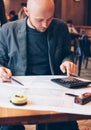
{"type": "Point", "coordinates": [69, 94]}
{"type": "Point", "coordinates": [73, 75]}
{"type": "Point", "coordinates": [17, 81]}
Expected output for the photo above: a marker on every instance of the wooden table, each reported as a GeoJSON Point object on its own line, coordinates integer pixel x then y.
{"type": "Point", "coordinates": [17, 116]}
{"type": "Point", "coordinates": [12, 116]}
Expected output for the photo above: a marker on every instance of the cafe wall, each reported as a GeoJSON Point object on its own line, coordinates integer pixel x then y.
{"type": "Point", "coordinates": [13, 5]}
{"type": "Point", "coordinates": [65, 9]}
{"type": "Point", "coordinates": [74, 10]}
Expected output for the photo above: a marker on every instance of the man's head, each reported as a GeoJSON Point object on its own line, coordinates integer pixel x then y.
{"type": "Point", "coordinates": [40, 13]}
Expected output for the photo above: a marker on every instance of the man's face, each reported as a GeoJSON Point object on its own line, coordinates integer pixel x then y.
{"type": "Point", "coordinates": [40, 16]}
{"type": "Point", "coordinates": [40, 23]}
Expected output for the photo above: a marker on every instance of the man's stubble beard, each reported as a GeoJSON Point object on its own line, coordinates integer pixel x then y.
{"type": "Point", "coordinates": [33, 26]}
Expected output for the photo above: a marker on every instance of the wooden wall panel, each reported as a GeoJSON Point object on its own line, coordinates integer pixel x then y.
{"type": "Point", "coordinates": [13, 5]}
{"type": "Point", "coordinates": [65, 9]}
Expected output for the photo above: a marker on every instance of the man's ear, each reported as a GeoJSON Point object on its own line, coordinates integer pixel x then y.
{"type": "Point", "coordinates": [26, 11]}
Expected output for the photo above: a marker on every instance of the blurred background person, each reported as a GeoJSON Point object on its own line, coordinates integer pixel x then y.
{"type": "Point", "coordinates": [2, 13]}
{"type": "Point", "coordinates": [21, 13]}
{"type": "Point", "coordinates": [13, 16]}
{"type": "Point", "coordinates": [71, 27]}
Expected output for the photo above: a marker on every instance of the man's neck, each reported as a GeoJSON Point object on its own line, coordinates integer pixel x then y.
{"type": "Point", "coordinates": [29, 24]}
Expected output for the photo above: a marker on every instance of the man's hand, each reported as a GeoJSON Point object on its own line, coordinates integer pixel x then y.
{"type": "Point", "coordinates": [69, 68]}
{"type": "Point", "coordinates": [5, 74]}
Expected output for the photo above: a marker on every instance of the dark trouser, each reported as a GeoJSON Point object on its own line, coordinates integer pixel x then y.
{"type": "Point", "coordinates": [71, 125]}
{"type": "Point", "coordinates": [12, 127]}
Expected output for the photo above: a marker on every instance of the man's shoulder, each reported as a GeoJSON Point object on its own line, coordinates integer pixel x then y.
{"type": "Point", "coordinates": [58, 25]}
{"type": "Point", "coordinates": [14, 25]}
{"type": "Point", "coordinates": [59, 22]}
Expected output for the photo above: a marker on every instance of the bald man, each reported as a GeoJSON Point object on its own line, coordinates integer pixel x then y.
{"type": "Point", "coordinates": [36, 45]}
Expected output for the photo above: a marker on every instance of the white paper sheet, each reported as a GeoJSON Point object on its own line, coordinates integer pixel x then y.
{"type": "Point", "coordinates": [43, 94]}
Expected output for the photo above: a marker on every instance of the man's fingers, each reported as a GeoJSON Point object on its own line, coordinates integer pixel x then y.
{"type": "Point", "coordinates": [3, 79]}
{"type": "Point", "coordinates": [8, 72]}
{"type": "Point", "coordinates": [69, 68]}
{"type": "Point", "coordinates": [73, 69]}
{"type": "Point", "coordinates": [5, 74]}
{"type": "Point", "coordinates": [65, 69]}
{"type": "Point", "coordinates": [62, 67]}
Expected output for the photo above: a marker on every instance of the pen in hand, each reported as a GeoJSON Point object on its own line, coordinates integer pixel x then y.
{"type": "Point", "coordinates": [73, 75]}
{"type": "Point", "coordinates": [17, 81]}
{"type": "Point", "coordinates": [69, 94]}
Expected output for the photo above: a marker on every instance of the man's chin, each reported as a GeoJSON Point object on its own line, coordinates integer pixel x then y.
{"type": "Point", "coordinates": [41, 30]}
